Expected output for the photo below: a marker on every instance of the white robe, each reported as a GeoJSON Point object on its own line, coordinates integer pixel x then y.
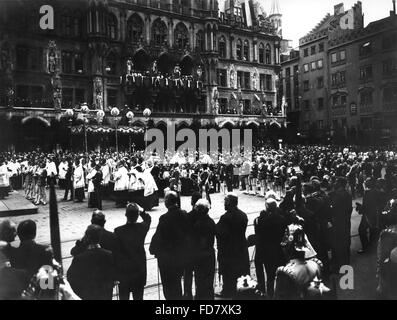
{"type": "Point", "coordinates": [91, 175]}
{"type": "Point", "coordinates": [121, 179]}
{"type": "Point", "coordinates": [106, 174]}
{"type": "Point", "coordinates": [63, 168]}
{"type": "Point", "coordinates": [150, 184]}
{"type": "Point", "coordinates": [78, 177]}
{"type": "Point", "coordinates": [4, 180]}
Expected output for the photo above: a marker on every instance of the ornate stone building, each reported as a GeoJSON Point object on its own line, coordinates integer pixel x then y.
{"type": "Point", "coordinates": [193, 63]}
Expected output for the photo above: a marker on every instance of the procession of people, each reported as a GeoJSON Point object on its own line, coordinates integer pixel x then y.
{"type": "Point", "coordinates": [303, 228]}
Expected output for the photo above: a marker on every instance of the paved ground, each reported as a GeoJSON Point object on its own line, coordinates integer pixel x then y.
{"type": "Point", "coordinates": [74, 219]}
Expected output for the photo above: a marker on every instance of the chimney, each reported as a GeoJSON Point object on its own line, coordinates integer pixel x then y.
{"type": "Point", "coordinates": [339, 9]}
{"type": "Point", "coordinates": [394, 8]}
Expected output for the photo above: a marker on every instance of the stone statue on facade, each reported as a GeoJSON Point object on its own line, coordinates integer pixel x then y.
{"type": "Point", "coordinates": [215, 103]}
{"type": "Point", "coordinates": [130, 66]}
{"type": "Point", "coordinates": [98, 94]}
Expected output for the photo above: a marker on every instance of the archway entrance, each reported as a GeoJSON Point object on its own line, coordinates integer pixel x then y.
{"type": "Point", "coordinates": [34, 133]}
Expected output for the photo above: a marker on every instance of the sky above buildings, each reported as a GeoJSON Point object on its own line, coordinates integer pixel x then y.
{"type": "Point", "coordinates": [301, 16]}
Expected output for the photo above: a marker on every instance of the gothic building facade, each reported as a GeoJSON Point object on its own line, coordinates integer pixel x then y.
{"type": "Point", "coordinates": [190, 62]}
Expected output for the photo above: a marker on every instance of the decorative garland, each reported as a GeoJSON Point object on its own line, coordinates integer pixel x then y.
{"type": "Point", "coordinates": [105, 129]}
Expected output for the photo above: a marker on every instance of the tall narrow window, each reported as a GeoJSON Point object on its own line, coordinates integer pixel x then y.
{"type": "Point", "coordinates": [222, 47]}
{"type": "Point", "coordinates": [200, 41]}
{"type": "Point", "coordinates": [181, 36]}
{"type": "Point", "coordinates": [135, 28]}
{"type": "Point", "coordinates": [159, 32]}
{"type": "Point", "coordinates": [246, 50]}
{"type": "Point", "coordinates": [112, 26]}
{"type": "Point", "coordinates": [268, 54]}
{"type": "Point", "coordinates": [239, 50]}
{"type": "Point", "coordinates": [261, 53]}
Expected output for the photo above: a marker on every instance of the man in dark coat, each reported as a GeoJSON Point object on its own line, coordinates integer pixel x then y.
{"type": "Point", "coordinates": [69, 182]}
{"type": "Point", "coordinates": [169, 246]}
{"type": "Point", "coordinates": [233, 254]}
{"type": "Point", "coordinates": [97, 182]}
{"type": "Point", "coordinates": [30, 256]}
{"type": "Point", "coordinates": [129, 253]}
{"type": "Point", "coordinates": [107, 240]}
{"type": "Point", "coordinates": [91, 273]}
{"type": "Point", "coordinates": [341, 208]}
{"type": "Point", "coordinates": [202, 237]}
{"type": "Point", "coordinates": [369, 215]}
{"type": "Point", "coordinates": [188, 273]}
{"type": "Point", "coordinates": [269, 231]}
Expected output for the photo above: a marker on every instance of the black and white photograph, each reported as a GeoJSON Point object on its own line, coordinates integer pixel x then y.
{"type": "Point", "coordinates": [219, 151]}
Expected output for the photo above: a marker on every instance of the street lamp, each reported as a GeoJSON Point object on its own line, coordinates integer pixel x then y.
{"type": "Point", "coordinates": [115, 113]}
{"type": "Point", "coordinates": [69, 114]}
{"type": "Point", "coordinates": [99, 117]}
{"type": "Point", "coordinates": [146, 113]}
{"type": "Point", "coordinates": [130, 117]}
{"type": "Point", "coordinates": [85, 110]}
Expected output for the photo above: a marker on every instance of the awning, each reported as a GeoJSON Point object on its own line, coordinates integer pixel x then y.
{"type": "Point", "coordinates": [233, 96]}
{"type": "Point", "coordinates": [257, 97]}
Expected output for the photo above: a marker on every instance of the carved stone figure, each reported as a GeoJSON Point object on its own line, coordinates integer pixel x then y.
{"type": "Point", "coordinates": [130, 66]}
{"type": "Point", "coordinates": [98, 94]}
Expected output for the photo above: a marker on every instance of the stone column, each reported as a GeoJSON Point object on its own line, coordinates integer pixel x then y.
{"type": "Point", "coordinates": [148, 29]}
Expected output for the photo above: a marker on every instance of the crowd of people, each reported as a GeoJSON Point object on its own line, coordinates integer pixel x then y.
{"type": "Point", "coordinates": [303, 229]}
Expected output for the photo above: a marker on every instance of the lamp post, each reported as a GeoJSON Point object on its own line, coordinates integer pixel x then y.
{"type": "Point", "coordinates": [85, 110]}
{"type": "Point", "coordinates": [99, 117]}
{"type": "Point", "coordinates": [69, 114]}
{"type": "Point", "coordinates": [146, 113]}
{"type": "Point", "coordinates": [115, 113]}
{"type": "Point", "coordinates": [130, 117]}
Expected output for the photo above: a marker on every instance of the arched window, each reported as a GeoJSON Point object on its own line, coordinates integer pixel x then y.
{"type": "Point", "coordinates": [159, 32]}
{"type": "Point", "coordinates": [239, 50]}
{"type": "Point", "coordinates": [135, 28]}
{"type": "Point", "coordinates": [181, 36]}
{"type": "Point", "coordinates": [111, 29]}
{"type": "Point", "coordinates": [246, 56]}
{"type": "Point", "coordinates": [200, 40]}
{"type": "Point", "coordinates": [111, 64]}
{"type": "Point", "coordinates": [268, 55]}
{"type": "Point", "coordinates": [222, 47]}
{"type": "Point", "coordinates": [187, 66]}
{"type": "Point", "coordinates": [261, 53]}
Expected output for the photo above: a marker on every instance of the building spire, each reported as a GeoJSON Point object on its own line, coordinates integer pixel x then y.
{"type": "Point", "coordinates": [275, 8]}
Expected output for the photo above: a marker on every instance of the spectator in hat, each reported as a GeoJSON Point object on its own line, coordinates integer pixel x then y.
{"type": "Point", "coordinates": [130, 254]}
{"type": "Point", "coordinates": [91, 274]}
{"type": "Point", "coordinates": [107, 240]}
